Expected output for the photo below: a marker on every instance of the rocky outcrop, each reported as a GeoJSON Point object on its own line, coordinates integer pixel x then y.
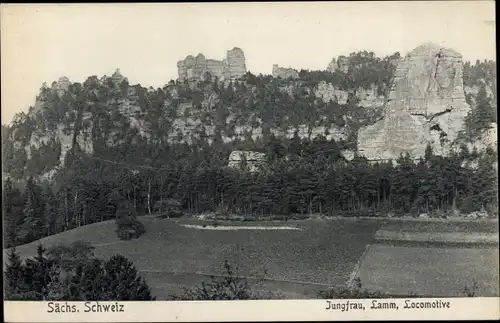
{"type": "Point", "coordinates": [284, 72]}
{"type": "Point", "coordinates": [328, 93]}
{"type": "Point", "coordinates": [117, 77]}
{"type": "Point", "coordinates": [366, 97]}
{"type": "Point", "coordinates": [332, 67]}
{"type": "Point", "coordinates": [63, 83]}
{"type": "Point", "coordinates": [236, 66]}
{"type": "Point", "coordinates": [250, 160]}
{"type": "Point", "coordinates": [343, 63]}
{"type": "Point", "coordinates": [426, 104]}
{"type": "Point", "coordinates": [200, 68]}
{"type": "Point", "coordinates": [340, 64]}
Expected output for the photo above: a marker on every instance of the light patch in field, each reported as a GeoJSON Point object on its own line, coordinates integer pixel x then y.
{"type": "Point", "coordinates": [232, 227]}
{"type": "Point", "coordinates": [438, 272]}
{"type": "Point", "coordinates": [455, 237]}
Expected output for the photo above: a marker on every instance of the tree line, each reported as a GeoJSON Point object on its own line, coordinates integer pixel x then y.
{"type": "Point", "coordinates": [299, 176]}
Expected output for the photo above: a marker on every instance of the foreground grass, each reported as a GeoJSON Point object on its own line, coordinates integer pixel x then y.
{"type": "Point", "coordinates": [171, 257]}
{"type": "Point", "coordinates": [478, 226]}
{"type": "Point", "coordinates": [430, 271]}
{"type": "Point", "coordinates": [295, 263]}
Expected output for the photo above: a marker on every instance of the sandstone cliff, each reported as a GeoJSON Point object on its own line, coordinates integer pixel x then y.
{"type": "Point", "coordinates": [426, 104]}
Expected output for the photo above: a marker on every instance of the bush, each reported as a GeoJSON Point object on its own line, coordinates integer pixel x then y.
{"type": "Point", "coordinates": [174, 213]}
{"type": "Point", "coordinates": [71, 255]}
{"type": "Point", "coordinates": [128, 227]}
{"type": "Point", "coordinates": [472, 290]}
{"type": "Point", "coordinates": [169, 208]}
{"type": "Point", "coordinates": [230, 287]}
{"type": "Point", "coordinates": [355, 292]}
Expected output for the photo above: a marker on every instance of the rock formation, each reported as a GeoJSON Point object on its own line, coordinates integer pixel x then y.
{"type": "Point", "coordinates": [252, 159]}
{"type": "Point", "coordinates": [236, 66]}
{"type": "Point", "coordinates": [366, 97]}
{"type": "Point", "coordinates": [426, 104]}
{"type": "Point", "coordinates": [284, 72]}
{"type": "Point", "coordinates": [332, 67]}
{"type": "Point", "coordinates": [63, 83]}
{"type": "Point", "coordinates": [339, 64]}
{"type": "Point", "coordinates": [200, 68]}
{"type": "Point", "coordinates": [117, 77]}
{"type": "Point", "coordinates": [343, 64]}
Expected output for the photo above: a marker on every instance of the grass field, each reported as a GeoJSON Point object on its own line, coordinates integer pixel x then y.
{"type": "Point", "coordinates": [429, 226]}
{"type": "Point", "coordinates": [296, 263]}
{"type": "Point", "coordinates": [171, 256]}
{"type": "Point", "coordinates": [430, 271]}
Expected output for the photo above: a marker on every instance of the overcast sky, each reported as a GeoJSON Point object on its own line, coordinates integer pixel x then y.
{"type": "Point", "coordinates": [40, 43]}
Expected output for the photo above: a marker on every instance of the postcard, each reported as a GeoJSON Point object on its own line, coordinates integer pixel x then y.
{"type": "Point", "coordinates": [278, 161]}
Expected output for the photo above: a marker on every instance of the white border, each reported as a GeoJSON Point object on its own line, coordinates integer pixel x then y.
{"type": "Point", "coordinates": [479, 308]}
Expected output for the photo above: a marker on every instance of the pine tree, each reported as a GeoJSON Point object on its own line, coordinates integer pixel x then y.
{"type": "Point", "coordinates": [30, 216]}
{"type": "Point", "coordinates": [36, 273]}
{"type": "Point", "coordinates": [123, 282]}
{"type": "Point", "coordinates": [14, 276]}
{"type": "Point", "coordinates": [34, 211]}
{"type": "Point", "coordinates": [55, 290]}
{"type": "Point", "coordinates": [13, 213]}
{"type": "Point", "coordinates": [428, 152]}
{"type": "Point", "coordinates": [51, 211]}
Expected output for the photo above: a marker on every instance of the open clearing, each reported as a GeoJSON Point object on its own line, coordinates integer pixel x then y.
{"type": "Point", "coordinates": [297, 263]}
{"type": "Point", "coordinates": [430, 271]}
{"type": "Point", "coordinates": [323, 252]}
{"type": "Point", "coordinates": [439, 225]}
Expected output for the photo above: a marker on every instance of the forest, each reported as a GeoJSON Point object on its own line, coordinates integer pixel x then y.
{"type": "Point", "coordinates": [301, 176]}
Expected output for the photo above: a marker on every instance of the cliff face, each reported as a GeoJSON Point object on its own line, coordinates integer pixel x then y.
{"type": "Point", "coordinates": [425, 105]}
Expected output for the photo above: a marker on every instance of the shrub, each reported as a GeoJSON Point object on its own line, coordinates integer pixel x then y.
{"type": "Point", "coordinates": [127, 225]}
{"type": "Point", "coordinates": [355, 292]}
{"type": "Point", "coordinates": [169, 208]}
{"type": "Point", "coordinates": [472, 290]}
{"type": "Point", "coordinates": [130, 229]}
{"type": "Point", "coordinates": [70, 256]}
{"type": "Point", "coordinates": [230, 287]}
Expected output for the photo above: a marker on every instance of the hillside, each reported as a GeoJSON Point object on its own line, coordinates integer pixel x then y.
{"type": "Point", "coordinates": [171, 256]}
{"type": "Point", "coordinates": [329, 138]}
{"type": "Point", "coordinates": [107, 112]}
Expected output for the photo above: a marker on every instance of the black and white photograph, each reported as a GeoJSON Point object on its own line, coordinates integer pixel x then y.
{"type": "Point", "coordinates": [249, 151]}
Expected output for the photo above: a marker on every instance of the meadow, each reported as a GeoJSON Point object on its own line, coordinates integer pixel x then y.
{"type": "Point", "coordinates": [171, 256]}
{"type": "Point", "coordinates": [319, 255]}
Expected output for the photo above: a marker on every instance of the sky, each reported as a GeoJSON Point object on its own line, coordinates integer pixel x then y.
{"type": "Point", "coordinates": [41, 42]}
